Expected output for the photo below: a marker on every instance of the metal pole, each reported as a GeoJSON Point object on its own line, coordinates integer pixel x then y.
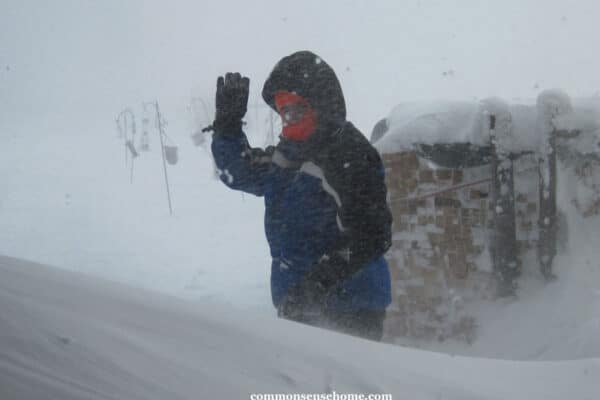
{"type": "Point", "coordinates": [118, 120]}
{"type": "Point", "coordinates": [120, 131]}
{"type": "Point", "coordinates": [123, 130]}
{"type": "Point", "coordinates": [162, 150]}
{"type": "Point", "coordinates": [131, 174]}
{"type": "Point", "coordinates": [125, 123]}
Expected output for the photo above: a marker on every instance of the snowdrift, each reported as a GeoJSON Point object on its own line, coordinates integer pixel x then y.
{"type": "Point", "coordinates": [69, 336]}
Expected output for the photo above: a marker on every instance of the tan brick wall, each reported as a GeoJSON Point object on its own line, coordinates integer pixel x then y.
{"type": "Point", "coordinates": [439, 260]}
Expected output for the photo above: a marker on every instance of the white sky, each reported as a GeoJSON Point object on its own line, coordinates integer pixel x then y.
{"type": "Point", "coordinates": [80, 58]}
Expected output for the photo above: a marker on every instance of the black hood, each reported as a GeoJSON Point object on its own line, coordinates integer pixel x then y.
{"type": "Point", "coordinates": [307, 75]}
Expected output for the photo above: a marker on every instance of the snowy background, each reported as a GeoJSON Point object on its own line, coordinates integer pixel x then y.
{"type": "Point", "coordinates": [67, 68]}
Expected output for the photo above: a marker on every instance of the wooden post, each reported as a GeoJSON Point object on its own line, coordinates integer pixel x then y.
{"type": "Point", "coordinates": [504, 249]}
{"type": "Point", "coordinates": [550, 104]}
{"type": "Point", "coordinates": [547, 219]}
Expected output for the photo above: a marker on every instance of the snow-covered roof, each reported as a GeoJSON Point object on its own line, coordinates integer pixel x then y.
{"type": "Point", "coordinates": [585, 118]}
{"type": "Point", "coordinates": [518, 126]}
{"type": "Point", "coordinates": [430, 122]}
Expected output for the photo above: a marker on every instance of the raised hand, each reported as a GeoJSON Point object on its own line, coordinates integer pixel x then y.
{"type": "Point", "coordinates": [231, 102]}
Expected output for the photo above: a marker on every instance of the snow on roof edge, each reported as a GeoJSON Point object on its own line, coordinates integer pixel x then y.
{"type": "Point", "coordinates": [463, 121]}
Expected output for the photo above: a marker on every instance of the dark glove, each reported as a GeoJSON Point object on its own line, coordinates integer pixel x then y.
{"type": "Point", "coordinates": [304, 301]}
{"type": "Point", "coordinates": [331, 270]}
{"type": "Point", "coordinates": [309, 297]}
{"type": "Point", "coordinates": [231, 102]}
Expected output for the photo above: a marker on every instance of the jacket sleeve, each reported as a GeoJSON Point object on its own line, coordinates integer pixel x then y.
{"type": "Point", "coordinates": [355, 172]}
{"type": "Point", "coordinates": [241, 167]}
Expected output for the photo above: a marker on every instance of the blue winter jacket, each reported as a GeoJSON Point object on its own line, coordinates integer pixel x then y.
{"type": "Point", "coordinates": [325, 198]}
{"type": "Point", "coordinates": [301, 221]}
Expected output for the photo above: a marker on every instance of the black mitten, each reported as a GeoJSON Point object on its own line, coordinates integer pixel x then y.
{"type": "Point", "coordinates": [303, 302]}
{"type": "Point", "coordinates": [332, 269]}
{"type": "Point", "coordinates": [309, 297]}
{"type": "Point", "coordinates": [231, 102]}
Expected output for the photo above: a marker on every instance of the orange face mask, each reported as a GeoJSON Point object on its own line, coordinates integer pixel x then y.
{"type": "Point", "coordinates": [298, 117]}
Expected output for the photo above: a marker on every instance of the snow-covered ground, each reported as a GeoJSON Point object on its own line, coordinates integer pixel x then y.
{"type": "Point", "coordinates": [70, 336]}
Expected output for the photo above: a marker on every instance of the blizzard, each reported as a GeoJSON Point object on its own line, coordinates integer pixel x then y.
{"type": "Point", "coordinates": [105, 295]}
